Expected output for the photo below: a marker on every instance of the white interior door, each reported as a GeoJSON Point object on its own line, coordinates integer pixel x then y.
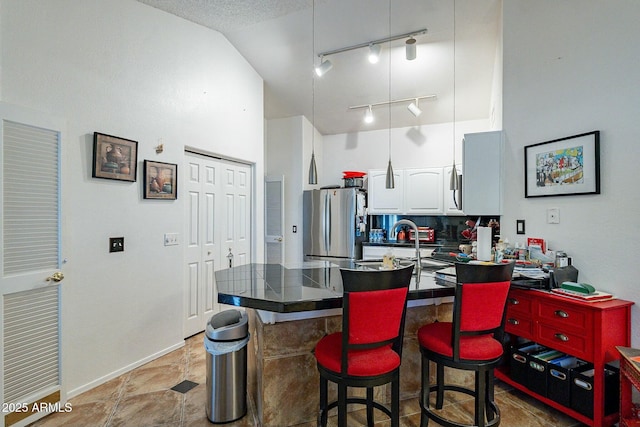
{"type": "Point", "coordinates": [218, 218]}
{"type": "Point", "coordinates": [31, 259]}
{"type": "Point", "coordinates": [201, 252]}
{"type": "Point", "coordinates": [274, 219]}
{"type": "Point", "coordinates": [236, 214]}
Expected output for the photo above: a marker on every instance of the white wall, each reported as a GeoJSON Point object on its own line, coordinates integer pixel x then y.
{"type": "Point", "coordinates": [413, 147]}
{"type": "Point", "coordinates": [130, 70]}
{"type": "Point", "coordinates": [570, 67]}
{"type": "Point", "coordinates": [289, 144]}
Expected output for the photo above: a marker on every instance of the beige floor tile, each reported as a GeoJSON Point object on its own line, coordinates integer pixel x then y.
{"type": "Point", "coordinates": [143, 398]}
{"type": "Point", "coordinates": [148, 410]}
{"type": "Point", "coordinates": [109, 391]}
{"type": "Point", "coordinates": [80, 415]}
{"type": "Point", "coordinates": [146, 379]}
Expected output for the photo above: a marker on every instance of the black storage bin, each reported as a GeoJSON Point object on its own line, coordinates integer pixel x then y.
{"type": "Point", "coordinates": [582, 390]}
{"type": "Point", "coordinates": [538, 367]}
{"type": "Point", "coordinates": [519, 361]}
{"type": "Point", "coordinates": [559, 378]}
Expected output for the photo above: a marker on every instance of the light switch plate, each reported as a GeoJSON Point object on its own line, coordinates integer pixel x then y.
{"type": "Point", "coordinates": [170, 239]}
{"type": "Point", "coordinates": [116, 244]}
{"type": "Point", "coordinates": [553, 216]}
{"type": "Point", "coordinates": [519, 226]}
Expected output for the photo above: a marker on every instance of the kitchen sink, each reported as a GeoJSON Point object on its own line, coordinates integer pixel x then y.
{"type": "Point", "coordinates": [427, 264]}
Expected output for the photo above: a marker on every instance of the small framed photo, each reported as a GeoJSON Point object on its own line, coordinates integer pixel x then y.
{"type": "Point", "coordinates": [160, 180]}
{"type": "Point", "coordinates": [114, 157]}
{"type": "Point", "coordinates": [563, 167]}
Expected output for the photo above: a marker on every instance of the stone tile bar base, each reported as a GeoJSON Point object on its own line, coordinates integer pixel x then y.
{"type": "Point", "coordinates": [283, 378]}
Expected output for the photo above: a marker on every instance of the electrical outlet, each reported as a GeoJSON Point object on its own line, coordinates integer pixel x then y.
{"type": "Point", "coordinates": [116, 244]}
{"type": "Point", "coordinates": [170, 239]}
{"type": "Point", "coordinates": [553, 216]}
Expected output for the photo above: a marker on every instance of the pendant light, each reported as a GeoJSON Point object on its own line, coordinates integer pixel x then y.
{"type": "Point", "coordinates": [453, 183]}
{"type": "Point", "coordinates": [390, 180]}
{"type": "Point", "coordinates": [313, 171]}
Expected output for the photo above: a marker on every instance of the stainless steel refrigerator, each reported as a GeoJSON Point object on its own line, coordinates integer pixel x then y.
{"type": "Point", "coordinates": [335, 223]}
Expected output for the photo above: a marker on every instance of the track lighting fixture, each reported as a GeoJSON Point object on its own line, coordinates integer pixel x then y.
{"type": "Point", "coordinates": [414, 109]}
{"type": "Point", "coordinates": [368, 115]}
{"type": "Point", "coordinates": [374, 53]}
{"type": "Point", "coordinates": [410, 49]}
{"type": "Point", "coordinates": [324, 66]}
{"type": "Point", "coordinates": [374, 50]}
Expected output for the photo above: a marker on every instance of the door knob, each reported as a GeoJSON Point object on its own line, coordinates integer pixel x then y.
{"type": "Point", "coordinates": [56, 277]}
{"type": "Point", "coordinates": [279, 239]}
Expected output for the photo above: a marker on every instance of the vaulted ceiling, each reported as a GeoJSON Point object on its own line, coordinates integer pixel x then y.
{"type": "Point", "coordinates": [281, 39]}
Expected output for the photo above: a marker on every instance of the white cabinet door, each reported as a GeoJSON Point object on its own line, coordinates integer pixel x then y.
{"type": "Point", "coordinates": [384, 200]}
{"type": "Point", "coordinates": [482, 158]}
{"type": "Point", "coordinates": [423, 191]}
{"type": "Point", "coordinates": [452, 202]}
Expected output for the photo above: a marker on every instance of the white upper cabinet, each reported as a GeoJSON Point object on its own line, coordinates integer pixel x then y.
{"type": "Point", "coordinates": [451, 205]}
{"type": "Point", "coordinates": [384, 200]}
{"type": "Point", "coordinates": [423, 191]}
{"type": "Point", "coordinates": [482, 180]}
{"type": "Point", "coordinates": [416, 192]}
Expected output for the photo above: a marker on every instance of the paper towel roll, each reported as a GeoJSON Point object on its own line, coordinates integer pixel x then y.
{"type": "Point", "coordinates": [484, 244]}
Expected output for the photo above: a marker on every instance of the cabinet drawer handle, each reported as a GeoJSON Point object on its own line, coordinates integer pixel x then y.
{"type": "Point", "coordinates": [513, 321]}
{"type": "Point", "coordinates": [561, 313]}
{"type": "Point", "coordinates": [562, 337]}
{"type": "Point", "coordinates": [513, 301]}
{"type": "Point", "coordinates": [519, 358]}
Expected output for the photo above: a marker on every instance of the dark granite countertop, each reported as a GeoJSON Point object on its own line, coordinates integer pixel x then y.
{"type": "Point", "coordinates": [307, 286]}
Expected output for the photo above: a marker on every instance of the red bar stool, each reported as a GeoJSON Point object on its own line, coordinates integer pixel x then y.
{"type": "Point", "coordinates": [472, 342]}
{"type": "Point", "coordinates": [367, 352]}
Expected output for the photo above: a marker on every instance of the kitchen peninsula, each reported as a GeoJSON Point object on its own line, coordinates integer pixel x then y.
{"type": "Point", "coordinates": [290, 308]}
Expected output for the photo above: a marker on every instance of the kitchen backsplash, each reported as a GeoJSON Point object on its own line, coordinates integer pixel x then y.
{"type": "Point", "coordinates": [447, 228]}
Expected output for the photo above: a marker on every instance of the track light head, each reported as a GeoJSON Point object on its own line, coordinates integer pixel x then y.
{"type": "Point", "coordinates": [410, 49]}
{"type": "Point", "coordinates": [374, 53]}
{"type": "Point", "coordinates": [414, 109]}
{"type": "Point", "coordinates": [368, 115]}
{"type": "Point", "coordinates": [324, 66]}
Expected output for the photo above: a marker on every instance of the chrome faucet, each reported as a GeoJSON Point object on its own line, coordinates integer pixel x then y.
{"type": "Point", "coordinates": [417, 240]}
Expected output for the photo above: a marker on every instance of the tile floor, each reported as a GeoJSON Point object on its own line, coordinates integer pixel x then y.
{"type": "Point", "coordinates": [144, 397]}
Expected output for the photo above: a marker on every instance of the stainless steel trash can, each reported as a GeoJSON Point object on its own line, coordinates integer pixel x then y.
{"type": "Point", "coordinates": [226, 339]}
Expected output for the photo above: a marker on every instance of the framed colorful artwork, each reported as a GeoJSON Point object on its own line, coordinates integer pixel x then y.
{"type": "Point", "coordinates": [563, 167]}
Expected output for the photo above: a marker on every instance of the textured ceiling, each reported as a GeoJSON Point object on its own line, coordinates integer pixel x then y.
{"type": "Point", "coordinates": [281, 40]}
{"type": "Point", "coordinates": [229, 15]}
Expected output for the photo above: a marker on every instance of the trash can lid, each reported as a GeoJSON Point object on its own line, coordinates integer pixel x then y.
{"type": "Point", "coordinates": [227, 326]}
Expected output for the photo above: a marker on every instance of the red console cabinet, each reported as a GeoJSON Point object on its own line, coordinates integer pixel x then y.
{"type": "Point", "coordinates": [588, 330]}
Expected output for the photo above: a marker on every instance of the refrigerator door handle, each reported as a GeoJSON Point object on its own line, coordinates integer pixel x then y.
{"type": "Point", "coordinates": [325, 222]}
{"type": "Point", "coordinates": [328, 222]}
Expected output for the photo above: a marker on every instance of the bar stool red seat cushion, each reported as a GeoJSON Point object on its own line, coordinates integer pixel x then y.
{"type": "Point", "coordinates": [362, 363]}
{"type": "Point", "coordinates": [437, 338]}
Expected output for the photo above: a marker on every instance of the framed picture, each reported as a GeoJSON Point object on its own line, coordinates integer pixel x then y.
{"type": "Point", "coordinates": [114, 157]}
{"type": "Point", "coordinates": [563, 167]}
{"type": "Point", "coordinates": [160, 180]}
